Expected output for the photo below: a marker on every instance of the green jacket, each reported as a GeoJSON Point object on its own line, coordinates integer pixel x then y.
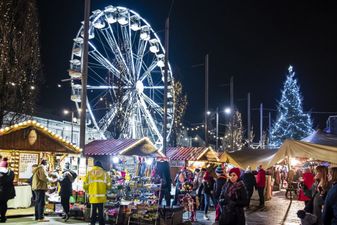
{"type": "Point", "coordinates": [40, 179]}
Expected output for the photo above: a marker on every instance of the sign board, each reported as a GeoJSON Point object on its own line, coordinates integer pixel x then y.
{"type": "Point", "coordinates": [26, 161]}
{"type": "Point", "coordinates": [175, 163]}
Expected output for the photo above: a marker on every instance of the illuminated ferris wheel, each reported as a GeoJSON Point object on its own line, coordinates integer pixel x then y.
{"type": "Point", "coordinates": [125, 76]}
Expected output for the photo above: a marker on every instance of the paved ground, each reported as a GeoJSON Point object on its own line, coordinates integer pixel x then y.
{"type": "Point", "coordinates": [278, 211]}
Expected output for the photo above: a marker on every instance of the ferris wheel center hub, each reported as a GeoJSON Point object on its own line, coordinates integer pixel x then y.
{"type": "Point", "coordinates": [139, 87]}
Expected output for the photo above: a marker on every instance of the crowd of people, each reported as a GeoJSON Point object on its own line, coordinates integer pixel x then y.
{"type": "Point", "coordinates": [39, 182]}
{"type": "Point", "coordinates": [319, 193]}
{"type": "Point", "coordinates": [228, 190]}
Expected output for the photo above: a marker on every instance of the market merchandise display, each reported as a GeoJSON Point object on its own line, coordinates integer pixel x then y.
{"type": "Point", "coordinates": [134, 200]}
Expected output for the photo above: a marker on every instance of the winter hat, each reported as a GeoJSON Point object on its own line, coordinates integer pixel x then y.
{"type": "Point", "coordinates": [4, 163]}
{"type": "Point", "coordinates": [219, 170]}
{"type": "Point", "coordinates": [207, 176]}
{"type": "Point", "coordinates": [236, 171]}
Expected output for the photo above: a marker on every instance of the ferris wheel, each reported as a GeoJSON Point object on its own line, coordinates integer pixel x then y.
{"type": "Point", "coordinates": [125, 76]}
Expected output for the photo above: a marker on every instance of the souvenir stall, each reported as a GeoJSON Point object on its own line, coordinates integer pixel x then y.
{"type": "Point", "coordinates": [25, 144]}
{"type": "Point", "coordinates": [133, 197]}
{"type": "Point", "coordinates": [183, 162]}
{"type": "Point", "coordinates": [191, 158]}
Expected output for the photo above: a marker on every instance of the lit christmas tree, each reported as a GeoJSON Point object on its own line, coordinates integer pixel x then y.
{"type": "Point", "coordinates": [232, 140]}
{"type": "Point", "coordinates": [291, 122]}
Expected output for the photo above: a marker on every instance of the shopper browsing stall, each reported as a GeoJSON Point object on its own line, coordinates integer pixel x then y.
{"type": "Point", "coordinates": [261, 184]}
{"type": "Point", "coordinates": [7, 190]}
{"type": "Point", "coordinates": [66, 180]}
{"type": "Point", "coordinates": [40, 186]}
{"type": "Point", "coordinates": [208, 187]}
{"type": "Point", "coordinates": [96, 184]}
{"type": "Point", "coordinates": [249, 179]}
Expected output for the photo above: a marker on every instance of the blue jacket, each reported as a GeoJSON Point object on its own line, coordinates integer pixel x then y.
{"type": "Point", "coordinates": [330, 207]}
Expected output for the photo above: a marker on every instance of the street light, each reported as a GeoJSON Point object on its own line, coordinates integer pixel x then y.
{"type": "Point", "coordinates": [228, 110]}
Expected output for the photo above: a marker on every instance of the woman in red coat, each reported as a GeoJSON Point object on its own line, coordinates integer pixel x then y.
{"type": "Point", "coordinates": [308, 179]}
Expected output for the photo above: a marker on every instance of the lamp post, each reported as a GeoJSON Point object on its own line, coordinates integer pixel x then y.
{"type": "Point", "coordinates": [66, 112]}
{"type": "Point", "coordinates": [228, 111]}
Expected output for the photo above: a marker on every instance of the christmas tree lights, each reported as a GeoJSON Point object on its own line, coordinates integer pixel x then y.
{"type": "Point", "coordinates": [291, 121]}
{"type": "Point", "coordinates": [232, 139]}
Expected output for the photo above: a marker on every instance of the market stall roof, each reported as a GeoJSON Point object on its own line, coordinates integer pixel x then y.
{"type": "Point", "coordinates": [32, 136]}
{"type": "Point", "coordinates": [322, 138]}
{"type": "Point", "coordinates": [140, 147]}
{"type": "Point", "coordinates": [292, 148]}
{"type": "Point", "coordinates": [192, 154]}
{"type": "Point", "coordinates": [249, 157]}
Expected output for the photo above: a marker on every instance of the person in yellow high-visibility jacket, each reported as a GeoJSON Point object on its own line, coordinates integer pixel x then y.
{"type": "Point", "coordinates": [96, 183]}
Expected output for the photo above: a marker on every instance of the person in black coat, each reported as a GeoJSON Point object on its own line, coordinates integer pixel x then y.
{"type": "Point", "coordinates": [219, 183]}
{"type": "Point", "coordinates": [233, 199]}
{"type": "Point", "coordinates": [330, 205]}
{"type": "Point", "coordinates": [207, 188]}
{"type": "Point", "coordinates": [7, 190]}
{"type": "Point", "coordinates": [250, 182]}
{"type": "Point", "coordinates": [66, 180]}
{"type": "Point", "coordinates": [163, 171]}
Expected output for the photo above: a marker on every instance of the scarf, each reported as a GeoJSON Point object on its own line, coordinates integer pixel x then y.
{"type": "Point", "coordinates": [232, 189]}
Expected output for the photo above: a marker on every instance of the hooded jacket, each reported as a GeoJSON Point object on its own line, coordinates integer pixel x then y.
{"type": "Point", "coordinates": [96, 183]}
{"type": "Point", "coordinates": [7, 190]}
{"type": "Point", "coordinates": [40, 179]}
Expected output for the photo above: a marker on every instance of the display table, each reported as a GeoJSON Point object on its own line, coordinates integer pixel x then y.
{"type": "Point", "coordinates": [23, 198]}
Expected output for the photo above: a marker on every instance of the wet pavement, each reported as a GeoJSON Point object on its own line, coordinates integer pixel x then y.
{"type": "Point", "coordinates": [277, 211]}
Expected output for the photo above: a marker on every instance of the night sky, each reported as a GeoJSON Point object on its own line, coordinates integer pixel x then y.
{"type": "Point", "coordinates": [254, 41]}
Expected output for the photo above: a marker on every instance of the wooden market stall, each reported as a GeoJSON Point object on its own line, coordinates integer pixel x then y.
{"type": "Point", "coordinates": [190, 157]}
{"type": "Point", "coordinates": [25, 144]}
{"type": "Point", "coordinates": [130, 163]}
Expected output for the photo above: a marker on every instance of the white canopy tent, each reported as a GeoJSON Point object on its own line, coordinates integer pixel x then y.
{"type": "Point", "coordinates": [300, 149]}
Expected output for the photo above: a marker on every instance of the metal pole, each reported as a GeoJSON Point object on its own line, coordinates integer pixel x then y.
{"type": "Point", "coordinates": [72, 126]}
{"type": "Point", "coordinates": [248, 118]}
{"type": "Point", "coordinates": [261, 124]}
{"type": "Point", "coordinates": [217, 130]}
{"type": "Point", "coordinates": [167, 27]}
{"type": "Point", "coordinates": [206, 100]}
{"type": "Point", "coordinates": [84, 74]}
{"type": "Point", "coordinates": [232, 110]}
{"type": "Point", "coordinates": [232, 94]}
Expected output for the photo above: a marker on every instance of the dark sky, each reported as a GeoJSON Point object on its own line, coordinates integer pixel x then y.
{"type": "Point", "coordinates": [254, 41]}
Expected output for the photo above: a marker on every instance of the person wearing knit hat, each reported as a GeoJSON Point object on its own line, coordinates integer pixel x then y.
{"type": "Point", "coordinates": [233, 199]}
{"type": "Point", "coordinates": [219, 183]}
{"type": "Point", "coordinates": [219, 170]}
{"type": "Point", "coordinates": [7, 190]}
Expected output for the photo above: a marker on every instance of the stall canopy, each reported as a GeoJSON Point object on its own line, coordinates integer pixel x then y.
{"type": "Point", "coordinates": [32, 136]}
{"type": "Point", "coordinates": [249, 157]}
{"type": "Point", "coordinates": [322, 138]}
{"type": "Point", "coordinates": [292, 148]}
{"type": "Point", "coordinates": [192, 154]}
{"type": "Point", "coordinates": [128, 147]}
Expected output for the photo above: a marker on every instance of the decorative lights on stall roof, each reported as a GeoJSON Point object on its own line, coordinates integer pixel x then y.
{"type": "Point", "coordinates": [43, 129]}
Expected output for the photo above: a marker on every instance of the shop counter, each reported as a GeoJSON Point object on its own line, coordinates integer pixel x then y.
{"type": "Point", "coordinates": [23, 198]}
